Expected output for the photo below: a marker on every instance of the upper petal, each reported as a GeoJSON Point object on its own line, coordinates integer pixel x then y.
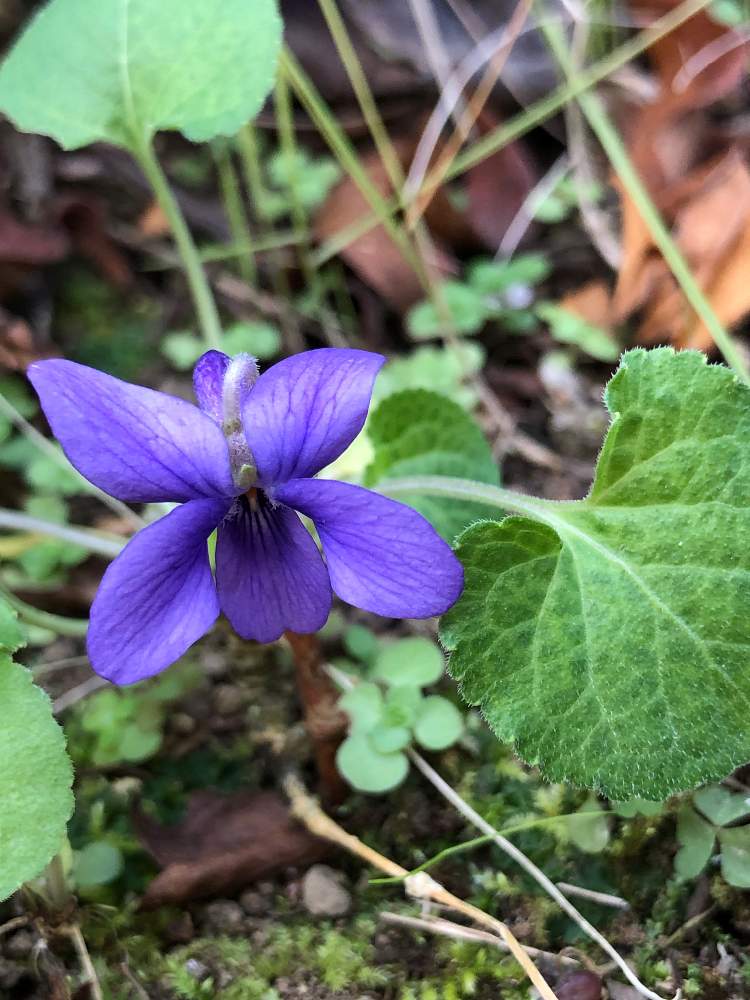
{"type": "Point", "coordinates": [135, 443]}
{"type": "Point", "coordinates": [208, 383]}
{"type": "Point", "coordinates": [304, 411]}
{"type": "Point", "coordinates": [158, 597]}
{"type": "Point", "coordinates": [269, 573]}
{"type": "Point", "coordinates": [382, 556]}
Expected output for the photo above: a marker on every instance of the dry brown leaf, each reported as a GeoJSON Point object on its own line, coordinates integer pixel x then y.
{"type": "Point", "coordinates": [592, 302]}
{"type": "Point", "coordinates": [223, 843]}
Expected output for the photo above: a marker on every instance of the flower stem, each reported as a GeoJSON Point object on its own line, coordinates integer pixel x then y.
{"type": "Point", "coordinates": [74, 627]}
{"type": "Point", "coordinates": [324, 721]}
{"type": "Point", "coordinates": [466, 489]}
{"type": "Point", "coordinates": [94, 542]}
{"type": "Point", "coordinates": [205, 306]}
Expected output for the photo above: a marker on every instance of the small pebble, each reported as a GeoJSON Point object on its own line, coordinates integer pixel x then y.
{"type": "Point", "coordinates": [224, 916]}
{"type": "Point", "coordinates": [254, 903]}
{"type": "Point", "coordinates": [324, 893]}
{"type": "Point", "coordinates": [228, 699]}
{"type": "Point", "coordinates": [579, 986]}
{"type": "Point", "coordinates": [196, 969]}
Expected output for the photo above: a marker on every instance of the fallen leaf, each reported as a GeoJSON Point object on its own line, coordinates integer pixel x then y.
{"type": "Point", "coordinates": [84, 217]}
{"type": "Point", "coordinates": [23, 243]}
{"type": "Point", "coordinates": [223, 843]}
{"type": "Point", "coordinates": [375, 257]}
{"type": "Point", "coordinates": [592, 302]}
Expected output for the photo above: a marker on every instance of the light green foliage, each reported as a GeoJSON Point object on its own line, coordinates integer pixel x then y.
{"type": "Point", "coordinates": [493, 290]}
{"type": "Point", "coordinates": [637, 807]}
{"type": "Point", "coordinates": [443, 370]}
{"type": "Point", "coordinates": [421, 433]}
{"type": "Point", "coordinates": [560, 203]}
{"type": "Point", "coordinates": [98, 863]}
{"type": "Point", "coordinates": [589, 827]}
{"type": "Point", "coordinates": [569, 328]}
{"type": "Point", "coordinates": [382, 725]}
{"type": "Point", "coordinates": [43, 558]}
{"type": "Point", "coordinates": [361, 643]}
{"type": "Point", "coordinates": [40, 470]}
{"type": "Point", "coordinates": [462, 310]}
{"type": "Point", "coordinates": [700, 824]}
{"type": "Point", "coordinates": [35, 777]}
{"type": "Point", "coordinates": [183, 348]}
{"type": "Point", "coordinates": [120, 70]}
{"type": "Point", "coordinates": [299, 177]}
{"type": "Point", "coordinates": [414, 662]}
{"type": "Point", "coordinates": [608, 637]}
{"type": "Point", "coordinates": [117, 725]}
{"type": "Point", "coordinates": [733, 13]}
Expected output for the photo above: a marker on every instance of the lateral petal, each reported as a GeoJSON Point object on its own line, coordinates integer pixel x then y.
{"type": "Point", "coordinates": [158, 597]}
{"type": "Point", "coordinates": [382, 556]}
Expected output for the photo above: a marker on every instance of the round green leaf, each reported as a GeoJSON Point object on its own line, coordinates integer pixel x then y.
{"type": "Point", "coordinates": [35, 779]}
{"type": "Point", "coordinates": [721, 806]}
{"type": "Point", "coordinates": [366, 769]}
{"type": "Point", "coordinates": [97, 864]}
{"type": "Point", "coordinates": [136, 744]}
{"type": "Point", "coordinates": [415, 662]}
{"type": "Point", "coordinates": [735, 856]}
{"type": "Point", "coordinates": [364, 706]}
{"type": "Point", "coordinates": [388, 739]}
{"type": "Point", "coordinates": [696, 838]}
{"type": "Point", "coordinates": [402, 705]}
{"type": "Point", "coordinates": [589, 828]}
{"type": "Point", "coordinates": [120, 70]}
{"type": "Point", "coordinates": [439, 723]}
{"type": "Point", "coordinates": [465, 308]}
{"type": "Point", "coordinates": [261, 340]}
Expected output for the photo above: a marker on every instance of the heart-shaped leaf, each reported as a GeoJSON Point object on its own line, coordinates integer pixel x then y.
{"type": "Point", "coordinates": [120, 70]}
{"type": "Point", "coordinates": [609, 637]}
{"type": "Point", "coordinates": [696, 838]}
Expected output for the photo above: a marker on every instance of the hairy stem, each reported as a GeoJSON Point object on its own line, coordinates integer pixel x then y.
{"type": "Point", "coordinates": [205, 306]}
{"type": "Point", "coordinates": [324, 721]}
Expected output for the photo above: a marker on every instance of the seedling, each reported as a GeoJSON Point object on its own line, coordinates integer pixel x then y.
{"type": "Point", "coordinates": [389, 712]}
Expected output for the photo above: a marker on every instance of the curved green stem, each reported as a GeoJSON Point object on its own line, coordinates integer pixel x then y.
{"type": "Point", "coordinates": [205, 306]}
{"type": "Point", "coordinates": [90, 540]}
{"type": "Point", "coordinates": [467, 489]}
{"type": "Point", "coordinates": [74, 627]}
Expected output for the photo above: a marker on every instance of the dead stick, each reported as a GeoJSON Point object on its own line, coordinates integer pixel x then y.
{"type": "Point", "coordinates": [421, 885]}
{"type": "Point", "coordinates": [324, 721]}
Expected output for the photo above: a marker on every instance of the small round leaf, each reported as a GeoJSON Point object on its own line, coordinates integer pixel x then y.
{"type": "Point", "coordinates": [415, 662]}
{"type": "Point", "coordinates": [364, 706]}
{"type": "Point", "coordinates": [97, 864]}
{"type": "Point", "coordinates": [388, 739]}
{"type": "Point", "coordinates": [439, 723]}
{"type": "Point", "coordinates": [366, 769]}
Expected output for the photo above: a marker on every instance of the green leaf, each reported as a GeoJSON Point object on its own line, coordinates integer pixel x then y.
{"type": "Point", "coordinates": [366, 769]}
{"type": "Point", "coordinates": [439, 723]}
{"type": "Point", "coordinates": [96, 864]}
{"type": "Point", "coordinates": [465, 312]}
{"type": "Point", "coordinates": [136, 743]}
{"type": "Point", "coordinates": [569, 328]}
{"type": "Point", "coordinates": [589, 827]}
{"type": "Point", "coordinates": [388, 739]}
{"type": "Point", "coordinates": [182, 348]}
{"type": "Point", "coordinates": [361, 643]}
{"type": "Point", "coordinates": [638, 807]}
{"type": "Point", "coordinates": [735, 856]}
{"type": "Point", "coordinates": [120, 70]}
{"type": "Point", "coordinates": [721, 806]}
{"type": "Point", "coordinates": [402, 705]}
{"type": "Point", "coordinates": [417, 432]}
{"type": "Point", "coordinates": [610, 642]}
{"type": "Point", "coordinates": [35, 779]}
{"type": "Point", "coordinates": [443, 370]}
{"type": "Point", "coordinates": [696, 838]}
{"type": "Point", "coordinates": [493, 277]}
{"type": "Point", "coordinates": [364, 706]}
{"type": "Point", "coordinates": [261, 340]}
{"type": "Point", "coordinates": [415, 661]}
{"type": "Point", "coordinates": [11, 633]}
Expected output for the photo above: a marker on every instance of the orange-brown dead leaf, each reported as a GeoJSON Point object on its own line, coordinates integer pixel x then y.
{"type": "Point", "coordinates": [592, 302]}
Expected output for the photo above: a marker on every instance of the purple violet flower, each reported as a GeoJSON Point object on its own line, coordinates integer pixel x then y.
{"type": "Point", "coordinates": [243, 462]}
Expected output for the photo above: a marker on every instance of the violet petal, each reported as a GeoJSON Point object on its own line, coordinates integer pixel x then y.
{"type": "Point", "coordinates": [269, 573]}
{"type": "Point", "coordinates": [158, 597]}
{"type": "Point", "coordinates": [208, 382]}
{"type": "Point", "coordinates": [135, 443]}
{"type": "Point", "coordinates": [382, 556]}
{"type": "Point", "coordinates": [306, 410]}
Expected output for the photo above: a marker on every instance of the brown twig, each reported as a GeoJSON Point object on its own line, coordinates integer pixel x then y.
{"type": "Point", "coordinates": [421, 886]}
{"type": "Point", "coordinates": [324, 721]}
